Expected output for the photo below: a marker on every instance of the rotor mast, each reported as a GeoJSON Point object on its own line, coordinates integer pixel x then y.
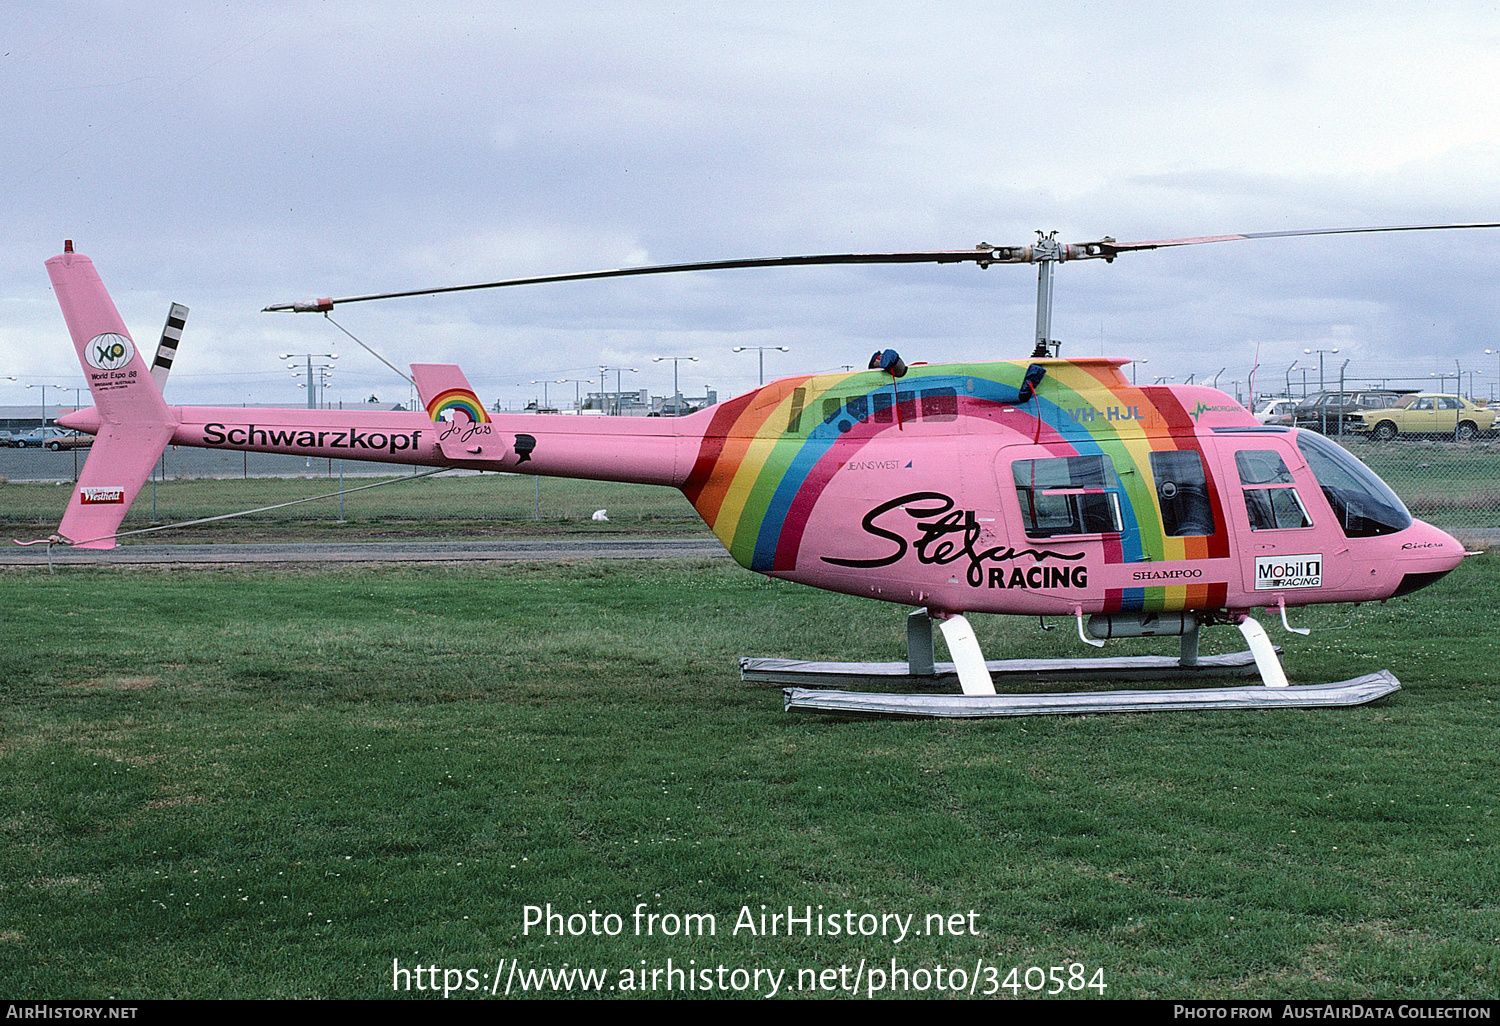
{"type": "Point", "coordinates": [1045, 254]}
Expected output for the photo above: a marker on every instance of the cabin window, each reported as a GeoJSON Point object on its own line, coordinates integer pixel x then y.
{"type": "Point", "coordinates": [794, 419]}
{"type": "Point", "coordinates": [1271, 499]}
{"type": "Point", "coordinates": [1182, 492]}
{"type": "Point", "coordinates": [1068, 495]}
{"type": "Point", "coordinates": [833, 408]}
{"type": "Point", "coordinates": [940, 404]}
{"type": "Point", "coordinates": [1365, 505]}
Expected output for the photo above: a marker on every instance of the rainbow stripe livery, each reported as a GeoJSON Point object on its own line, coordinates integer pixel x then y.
{"type": "Point", "coordinates": [461, 399]}
{"type": "Point", "coordinates": [769, 456]}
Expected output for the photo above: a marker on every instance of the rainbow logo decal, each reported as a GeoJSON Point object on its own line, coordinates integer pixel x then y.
{"type": "Point", "coordinates": [458, 399]}
{"type": "Point", "coordinates": [768, 456]}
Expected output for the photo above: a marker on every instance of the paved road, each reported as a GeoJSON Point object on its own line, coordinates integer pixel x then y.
{"type": "Point", "coordinates": [373, 552]}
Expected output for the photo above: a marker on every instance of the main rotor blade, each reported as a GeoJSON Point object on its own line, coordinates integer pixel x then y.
{"type": "Point", "coordinates": [983, 255]}
{"type": "Point", "coordinates": [1109, 248]}
{"type": "Point", "coordinates": [1046, 250]}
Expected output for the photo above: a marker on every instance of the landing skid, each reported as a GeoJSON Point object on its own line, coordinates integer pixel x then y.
{"type": "Point", "coordinates": [1345, 693]}
{"type": "Point", "coordinates": [975, 677]}
{"type": "Point", "coordinates": [944, 675]}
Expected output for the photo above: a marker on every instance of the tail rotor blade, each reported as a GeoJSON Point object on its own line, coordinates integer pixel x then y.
{"type": "Point", "coordinates": [166, 349]}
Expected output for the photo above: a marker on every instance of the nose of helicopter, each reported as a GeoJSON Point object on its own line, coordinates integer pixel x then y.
{"type": "Point", "coordinates": [1424, 554]}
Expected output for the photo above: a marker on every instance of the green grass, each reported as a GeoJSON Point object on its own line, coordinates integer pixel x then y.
{"type": "Point", "coordinates": [468, 506]}
{"type": "Point", "coordinates": [221, 783]}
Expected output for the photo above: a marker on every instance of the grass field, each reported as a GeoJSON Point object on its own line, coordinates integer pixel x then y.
{"type": "Point", "coordinates": [222, 783]}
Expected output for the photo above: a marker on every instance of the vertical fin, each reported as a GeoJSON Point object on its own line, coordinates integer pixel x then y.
{"type": "Point", "coordinates": [443, 389]}
{"type": "Point", "coordinates": [134, 424]}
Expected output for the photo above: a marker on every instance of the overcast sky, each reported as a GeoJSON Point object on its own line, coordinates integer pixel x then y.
{"type": "Point", "coordinates": [231, 155]}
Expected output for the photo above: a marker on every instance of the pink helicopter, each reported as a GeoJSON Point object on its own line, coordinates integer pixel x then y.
{"type": "Point", "coordinates": [1038, 487]}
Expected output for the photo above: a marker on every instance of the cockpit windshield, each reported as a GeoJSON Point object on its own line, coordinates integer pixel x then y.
{"type": "Point", "coordinates": [1364, 504]}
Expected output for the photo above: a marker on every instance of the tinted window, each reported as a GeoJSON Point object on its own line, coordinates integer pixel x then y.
{"type": "Point", "coordinates": [1275, 509]}
{"type": "Point", "coordinates": [940, 404]}
{"type": "Point", "coordinates": [1270, 502]}
{"type": "Point", "coordinates": [1364, 504]}
{"type": "Point", "coordinates": [1069, 495]}
{"type": "Point", "coordinates": [1261, 466]}
{"type": "Point", "coordinates": [794, 418]}
{"type": "Point", "coordinates": [1182, 492]}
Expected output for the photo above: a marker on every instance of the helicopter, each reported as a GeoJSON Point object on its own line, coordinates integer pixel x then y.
{"type": "Point", "coordinates": [1045, 487]}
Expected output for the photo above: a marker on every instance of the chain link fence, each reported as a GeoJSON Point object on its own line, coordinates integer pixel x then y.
{"type": "Point", "coordinates": [1448, 483]}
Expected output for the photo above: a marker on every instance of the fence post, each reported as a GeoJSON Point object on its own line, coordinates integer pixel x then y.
{"type": "Point", "coordinates": [1341, 400]}
{"type": "Point", "coordinates": [538, 481]}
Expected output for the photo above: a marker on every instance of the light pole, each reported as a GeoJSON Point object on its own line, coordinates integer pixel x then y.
{"type": "Point", "coordinates": [42, 443]}
{"type": "Point", "coordinates": [577, 392]}
{"type": "Point", "coordinates": [1320, 352]}
{"type": "Point", "coordinates": [546, 403]}
{"type": "Point", "coordinates": [676, 392]}
{"type": "Point", "coordinates": [312, 396]}
{"type": "Point", "coordinates": [1133, 365]}
{"type": "Point", "coordinates": [1289, 378]}
{"type": "Point", "coordinates": [1323, 404]}
{"type": "Point", "coordinates": [761, 350]}
{"type": "Point", "coordinates": [1496, 354]}
{"type": "Point", "coordinates": [618, 372]}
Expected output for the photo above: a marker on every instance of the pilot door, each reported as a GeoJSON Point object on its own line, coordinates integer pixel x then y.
{"type": "Point", "coordinates": [1289, 546]}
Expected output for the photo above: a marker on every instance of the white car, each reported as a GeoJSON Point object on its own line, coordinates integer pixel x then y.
{"type": "Point", "coordinates": [1276, 411]}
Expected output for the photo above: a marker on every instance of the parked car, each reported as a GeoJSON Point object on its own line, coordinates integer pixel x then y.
{"type": "Point", "coordinates": [7, 440]}
{"type": "Point", "coordinates": [1324, 411]}
{"type": "Point", "coordinates": [53, 438]}
{"type": "Point", "coordinates": [1429, 413]}
{"type": "Point", "coordinates": [1276, 411]}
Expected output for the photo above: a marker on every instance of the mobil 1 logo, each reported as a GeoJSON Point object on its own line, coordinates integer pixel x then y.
{"type": "Point", "coordinates": [1272, 572]}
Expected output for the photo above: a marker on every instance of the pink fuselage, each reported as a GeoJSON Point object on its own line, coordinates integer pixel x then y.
{"type": "Point", "coordinates": [923, 512]}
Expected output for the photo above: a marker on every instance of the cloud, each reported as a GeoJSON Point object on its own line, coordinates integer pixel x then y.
{"type": "Point", "coordinates": [229, 158]}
